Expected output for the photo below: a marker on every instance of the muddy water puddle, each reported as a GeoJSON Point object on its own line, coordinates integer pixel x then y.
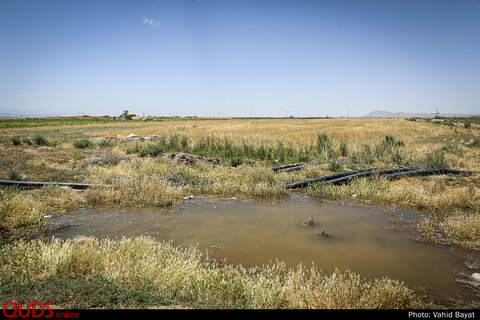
{"type": "Point", "coordinates": [365, 240]}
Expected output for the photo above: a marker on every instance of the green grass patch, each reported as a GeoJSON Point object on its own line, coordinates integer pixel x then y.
{"type": "Point", "coordinates": [436, 159]}
{"type": "Point", "coordinates": [40, 140]}
{"type": "Point", "coordinates": [66, 175]}
{"type": "Point", "coordinates": [236, 161]}
{"type": "Point", "coordinates": [16, 141]}
{"type": "Point", "coordinates": [15, 175]}
{"type": "Point", "coordinates": [106, 144]}
{"type": "Point", "coordinates": [95, 291]}
{"type": "Point", "coordinates": [57, 121]}
{"type": "Point", "coordinates": [83, 144]}
{"type": "Point", "coordinates": [236, 152]}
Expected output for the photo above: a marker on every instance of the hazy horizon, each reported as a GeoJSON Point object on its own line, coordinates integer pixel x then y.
{"type": "Point", "coordinates": [239, 58]}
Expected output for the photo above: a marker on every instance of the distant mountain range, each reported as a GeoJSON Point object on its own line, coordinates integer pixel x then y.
{"type": "Point", "coordinates": [388, 114]}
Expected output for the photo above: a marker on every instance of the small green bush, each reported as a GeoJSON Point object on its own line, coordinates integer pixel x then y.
{"type": "Point", "coordinates": [343, 148]}
{"type": "Point", "coordinates": [453, 149]}
{"type": "Point", "coordinates": [40, 140]}
{"type": "Point", "coordinates": [236, 161]}
{"type": "Point", "coordinates": [390, 140]}
{"type": "Point", "coordinates": [436, 160]}
{"type": "Point", "coordinates": [15, 175]}
{"type": "Point", "coordinates": [184, 143]}
{"type": "Point", "coordinates": [83, 144]}
{"type": "Point", "coordinates": [324, 145]}
{"type": "Point", "coordinates": [16, 141]}
{"type": "Point", "coordinates": [149, 150]}
{"type": "Point", "coordinates": [106, 144]}
{"type": "Point", "coordinates": [399, 158]}
{"type": "Point", "coordinates": [387, 148]}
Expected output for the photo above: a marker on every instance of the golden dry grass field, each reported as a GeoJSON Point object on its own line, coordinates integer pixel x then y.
{"type": "Point", "coordinates": [243, 151]}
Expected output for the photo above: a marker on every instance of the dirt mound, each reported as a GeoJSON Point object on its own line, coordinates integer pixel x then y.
{"type": "Point", "coordinates": [190, 159]}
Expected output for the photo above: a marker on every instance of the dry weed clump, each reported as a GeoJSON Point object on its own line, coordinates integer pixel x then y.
{"type": "Point", "coordinates": [428, 230]}
{"type": "Point", "coordinates": [427, 196]}
{"type": "Point", "coordinates": [463, 230]}
{"type": "Point", "coordinates": [27, 209]}
{"type": "Point", "coordinates": [188, 275]}
{"type": "Point", "coordinates": [145, 191]}
{"type": "Point", "coordinates": [244, 181]}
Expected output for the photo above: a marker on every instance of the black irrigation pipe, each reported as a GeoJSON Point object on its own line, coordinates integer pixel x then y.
{"type": "Point", "coordinates": [334, 179]}
{"type": "Point", "coordinates": [288, 166]}
{"type": "Point", "coordinates": [39, 184]}
{"type": "Point", "coordinates": [298, 166]}
{"type": "Point", "coordinates": [427, 172]}
{"type": "Point", "coordinates": [387, 173]}
{"type": "Point", "coordinates": [305, 182]}
{"type": "Point", "coordinates": [380, 172]}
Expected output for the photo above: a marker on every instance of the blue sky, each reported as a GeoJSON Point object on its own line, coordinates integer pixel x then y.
{"type": "Point", "coordinates": [236, 58]}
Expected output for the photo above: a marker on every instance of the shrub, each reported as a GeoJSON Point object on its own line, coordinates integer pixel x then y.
{"type": "Point", "coordinates": [83, 144]}
{"type": "Point", "coordinates": [399, 158]}
{"type": "Point", "coordinates": [16, 140]}
{"type": "Point", "coordinates": [40, 140]}
{"type": "Point", "coordinates": [343, 148]}
{"type": "Point", "coordinates": [184, 143]}
{"type": "Point", "coordinates": [149, 150]}
{"type": "Point", "coordinates": [436, 160]}
{"type": "Point", "coordinates": [453, 149]}
{"type": "Point", "coordinates": [390, 140]}
{"type": "Point", "coordinates": [324, 145]}
{"type": "Point", "coordinates": [236, 161]}
{"type": "Point", "coordinates": [15, 175]}
{"type": "Point", "coordinates": [365, 155]}
{"type": "Point", "coordinates": [173, 142]}
{"type": "Point", "coordinates": [106, 144]}
{"type": "Point", "coordinates": [388, 147]}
